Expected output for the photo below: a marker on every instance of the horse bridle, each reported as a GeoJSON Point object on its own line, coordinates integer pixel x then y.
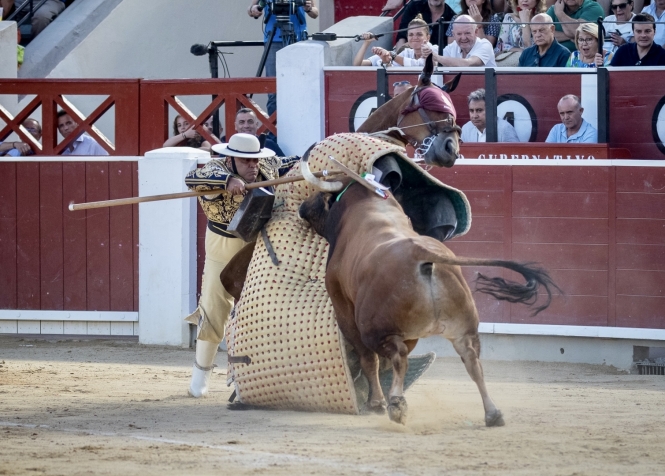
{"type": "Point", "coordinates": [433, 126]}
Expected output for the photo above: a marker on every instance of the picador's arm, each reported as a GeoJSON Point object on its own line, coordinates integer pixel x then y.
{"type": "Point", "coordinates": [212, 175]}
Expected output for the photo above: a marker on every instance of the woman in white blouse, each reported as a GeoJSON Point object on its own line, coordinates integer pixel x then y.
{"type": "Point", "coordinates": [515, 35]}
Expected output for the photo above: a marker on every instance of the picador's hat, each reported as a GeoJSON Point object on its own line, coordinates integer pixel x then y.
{"type": "Point", "coordinates": [244, 146]}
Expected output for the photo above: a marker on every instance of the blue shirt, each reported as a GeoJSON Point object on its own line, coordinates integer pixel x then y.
{"type": "Point", "coordinates": [299, 21]}
{"type": "Point", "coordinates": [11, 152]}
{"type": "Point", "coordinates": [84, 145]}
{"type": "Point", "coordinates": [586, 135]}
{"type": "Point", "coordinates": [556, 56]}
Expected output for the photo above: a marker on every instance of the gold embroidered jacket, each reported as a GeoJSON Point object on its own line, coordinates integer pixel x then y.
{"type": "Point", "coordinates": [215, 174]}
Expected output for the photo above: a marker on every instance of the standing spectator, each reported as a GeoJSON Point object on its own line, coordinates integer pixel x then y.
{"type": "Point", "coordinates": [573, 128]}
{"type": "Point", "coordinates": [17, 148]}
{"type": "Point", "coordinates": [430, 11]}
{"type": "Point", "coordinates": [299, 21]}
{"type": "Point", "coordinates": [644, 52]}
{"type": "Point", "coordinates": [83, 144]}
{"type": "Point", "coordinates": [515, 33]}
{"type": "Point", "coordinates": [467, 49]}
{"type": "Point", "coordinates": [480, 11]}
{"type": "Point", "coordinates": [247, 123]}
{"type": "Point", "coordinates": [657, 11]}
{"type": "Point", "coordinates": [571, 12]}
{"type": "Point", "coordinates": [418, 35]}
{"type": "Point", "coordinates": [587, 54]}
{"type": "Point", "coordinates": [618, 26]}
{"type": "Point", "coordinates": [46, 14]}
{"type": "Point", "coordinates": [546, 51]}
{"type": "Point", "coordinates": [474, 130]}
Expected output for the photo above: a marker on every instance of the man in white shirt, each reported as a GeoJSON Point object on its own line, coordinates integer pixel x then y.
{"type": "Point", "coordinates": [83, 144]}
{"type": "Point", "coordinates": [474, 130]}
{"type": "Point", "coordinates": [657, 10]}
{"type": "Point", "coordinates": [467, 49]}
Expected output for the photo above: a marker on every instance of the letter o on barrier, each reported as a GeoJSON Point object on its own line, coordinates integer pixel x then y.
{"type": "Point", "coordinates": [515, 107]}
{"type": "Point", "coordinates": [658, 125]}
{"type": "Point", "coordinates": [365, 105]}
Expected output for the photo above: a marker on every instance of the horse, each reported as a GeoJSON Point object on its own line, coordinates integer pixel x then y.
{"type": "Point", "coordinates": [423, 116]}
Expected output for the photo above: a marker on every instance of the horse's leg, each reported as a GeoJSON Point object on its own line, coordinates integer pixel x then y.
{"type": "Point", "coordinates": [468, 348]}
{"type": "Point", "coordinates": [397, 351]}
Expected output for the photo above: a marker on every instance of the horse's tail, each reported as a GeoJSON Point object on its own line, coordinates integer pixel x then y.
{"type": "Point", "coordinates": [504, 290]}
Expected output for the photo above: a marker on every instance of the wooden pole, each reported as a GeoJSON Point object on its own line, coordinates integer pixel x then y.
{"type": "Point", "coordinates": [172, 196]}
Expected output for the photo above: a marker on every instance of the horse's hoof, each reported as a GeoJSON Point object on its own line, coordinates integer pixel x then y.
{"type": "Point", "coordinates": [397, 410]}
{"type": "Point", "coordinates": [375, 406]}
{"type": "Point", "coordinates": [495, 419]}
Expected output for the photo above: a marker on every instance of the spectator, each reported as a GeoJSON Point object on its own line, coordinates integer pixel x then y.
{"type": "Point", "coordinates": [573, 128]}
{"type": "Point", "coordinates": [657, 11]}
{"type": "Point", "coordinates": [17, 148]}
{"type": "Point", "coordinates": [570, 12]}
{"type": "Point", "coordinates": [515, 33]}
{"type": "Point", "coordinates": [644, 52]}
{"type": "Point", "coordinates": [467, 49]}
{"type": "Point", "coordinates": [480, 11]}
{"type": "Point", "coordinates": [83, 144]}
{"type": "Point", "coordinates": [474, 130]}
{"type": "Point", "coordinates": [618, 26]}
{"type": "Point", "coordinates": [587, 54]}
{"type": "Point", "coordinates": [546, 51]}
{"type": "Point", "coordinates": [186, 136]}
{"type": "Point", "coordinates": [430, 11]}
{"type": "Point", "coordinates": [247, 123]}
{"type": "Point", "coordinates": [400, 86]}
{"type": "Point", "coordinates": [412, 56]}
{"type": "Point", "coordinates": [299, 21]}
{"type": "Point", "coordinates": [46, 14]}
{"type": "Point", "coordinates": [7, 7]}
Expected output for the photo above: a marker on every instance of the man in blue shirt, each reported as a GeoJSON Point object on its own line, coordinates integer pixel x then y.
{"type": "Point", "coordinates": [299, 21]}
{"type": "Point", "coordinates": [18, 148]}
{"type": "Point", "coordinates": [83, 144]}
{"type": "Point", "coordinates": [573, 128]}
{"type": "Point", "coordinates": [545, 51]}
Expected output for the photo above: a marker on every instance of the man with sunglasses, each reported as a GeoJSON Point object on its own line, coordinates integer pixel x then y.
{"type": "Point", "coordinates": [618, 27]}
{"type": "Point", "coordinates": [644, 52]}
{"type": "Point", "coordinates": [18, 148]}
{"type": "Point", "coordinates": [400, 86]}
{"type": "Point", "coordinates": [657, 10]}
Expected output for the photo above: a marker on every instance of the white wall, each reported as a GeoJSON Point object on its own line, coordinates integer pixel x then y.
{"type": "Point", "coordinates": [8, 62]}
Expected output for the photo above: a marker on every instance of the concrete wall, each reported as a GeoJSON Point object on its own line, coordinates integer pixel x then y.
{"type": "Point", "coordinates": [8, 63]}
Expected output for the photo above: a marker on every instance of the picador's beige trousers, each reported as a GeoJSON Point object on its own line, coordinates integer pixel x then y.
{"type": "Point", "coordinates": [215, 303]}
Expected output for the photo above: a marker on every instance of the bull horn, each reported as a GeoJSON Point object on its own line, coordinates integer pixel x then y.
{"type": "Point", "coordinates": [318, 183]}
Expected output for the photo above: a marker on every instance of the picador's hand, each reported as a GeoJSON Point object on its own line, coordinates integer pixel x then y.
{"type": "Point", "coordinates": [235, 186]}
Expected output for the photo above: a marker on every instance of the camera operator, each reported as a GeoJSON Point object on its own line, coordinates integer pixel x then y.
{"type": "Point", "coordinates": [299, 21]}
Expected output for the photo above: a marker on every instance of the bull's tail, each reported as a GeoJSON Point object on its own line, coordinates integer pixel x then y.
{"type": "Point", "coordinates": [504, 290]}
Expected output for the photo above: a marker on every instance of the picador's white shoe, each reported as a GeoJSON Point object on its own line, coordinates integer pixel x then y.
{"type": "Point", "coordinates": [202, 369]}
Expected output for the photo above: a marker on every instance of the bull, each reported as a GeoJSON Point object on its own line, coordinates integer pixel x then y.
{"type": "Point", "coordinates": [391, 286]}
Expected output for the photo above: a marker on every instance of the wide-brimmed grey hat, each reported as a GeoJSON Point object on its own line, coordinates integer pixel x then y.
{"type": "Point", "coordinates": [245, 146]}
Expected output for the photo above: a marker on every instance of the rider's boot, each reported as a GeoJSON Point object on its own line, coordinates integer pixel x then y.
{"type": "Point", "coordinates": [203, 365]}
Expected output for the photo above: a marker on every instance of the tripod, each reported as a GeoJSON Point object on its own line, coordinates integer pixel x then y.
{"type": "Point", "coordinates": [285, 25]}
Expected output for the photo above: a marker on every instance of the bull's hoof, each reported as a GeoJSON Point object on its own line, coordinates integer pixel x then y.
{"type": "Point", "coordinates": [494, 419]}
{"type": "Point", "coordinates": [375, 406]}
{"type": "Point", "coordinates": [397, 410]}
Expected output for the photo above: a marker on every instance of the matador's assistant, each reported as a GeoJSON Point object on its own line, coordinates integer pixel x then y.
{"type": "Point", "coordinates": [244, 162]}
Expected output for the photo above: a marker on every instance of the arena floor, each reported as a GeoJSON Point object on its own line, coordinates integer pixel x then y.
{"type": "Point", "coordinates": [103, 407]}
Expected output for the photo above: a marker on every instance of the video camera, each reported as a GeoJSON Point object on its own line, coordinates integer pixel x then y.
{"type": "Point", "coordinates": [282, 9]}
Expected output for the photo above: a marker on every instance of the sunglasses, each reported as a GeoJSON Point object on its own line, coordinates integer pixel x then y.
{"type": "Point", "coordinates": [401, 83]}
{"type": "Point", "coordinates": [620, 6]}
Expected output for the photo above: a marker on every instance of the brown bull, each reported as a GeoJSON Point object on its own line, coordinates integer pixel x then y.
{"type": "Point", "coordinates": [390, 286]}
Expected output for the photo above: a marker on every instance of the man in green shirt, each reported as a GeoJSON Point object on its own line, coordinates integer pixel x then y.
{"type": "Point", "coordinates": [576, 11]}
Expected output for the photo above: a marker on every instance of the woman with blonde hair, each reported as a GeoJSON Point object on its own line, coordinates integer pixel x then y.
{"type": "Point", "coordinates": [515, 33]}
{"type": "Point", "coordinates": [588, 54]}
{"type": "Point", "coordinates": [411, 55]}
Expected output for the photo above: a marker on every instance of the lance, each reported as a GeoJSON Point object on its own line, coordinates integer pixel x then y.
{"type": "Point", "coordinates": [172, 196]}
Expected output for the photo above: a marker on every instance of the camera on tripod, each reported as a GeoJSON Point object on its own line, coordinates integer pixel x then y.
{"type": "Point", "coordinates": [282, 9]}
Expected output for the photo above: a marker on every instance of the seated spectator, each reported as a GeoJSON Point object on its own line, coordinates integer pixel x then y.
{"type": "Point", "coordinates": [571, 12]}
{"type": "Point", "coordinates": [515, 33]}
{"type": "Point", "coordinates": [429, 10]}
{"type": "Point", "coordinates": [546, 51]}
{"type": "Point", "coordinates": [247, 123]}
{"type": "Point", "coordinates": [400, 86]}
{"type": "Point", "coordinates": [573, 128]}
{"type": "Point", "coordinates": [587, 54]}
{"type": "Point", "coordinates": [474, 130]}
{"type": "Point", "coordinates": [18, 148]}
{"type": "Point", "coordinates": [618, 26]}
{"type": "Point", "coordinates": [467, 49]}
{"type": "Point", "coordinates": [657, 10]}
{"type": "Point", "coordinates": [480, 11]}
{"type": "Point", "coordinates": [46, 14]}
{"type": "Point", "coordinates": [83, 144]}
{"type": "Point", "coordinates": [418, 36]}
{"type": "Point", "coordinates": [644, 52]}
{"type": "Point", "coordinates": [186, 136]}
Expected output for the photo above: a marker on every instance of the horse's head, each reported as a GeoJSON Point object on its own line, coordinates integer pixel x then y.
{"type": "Point", "coordinates": [428, 120]}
